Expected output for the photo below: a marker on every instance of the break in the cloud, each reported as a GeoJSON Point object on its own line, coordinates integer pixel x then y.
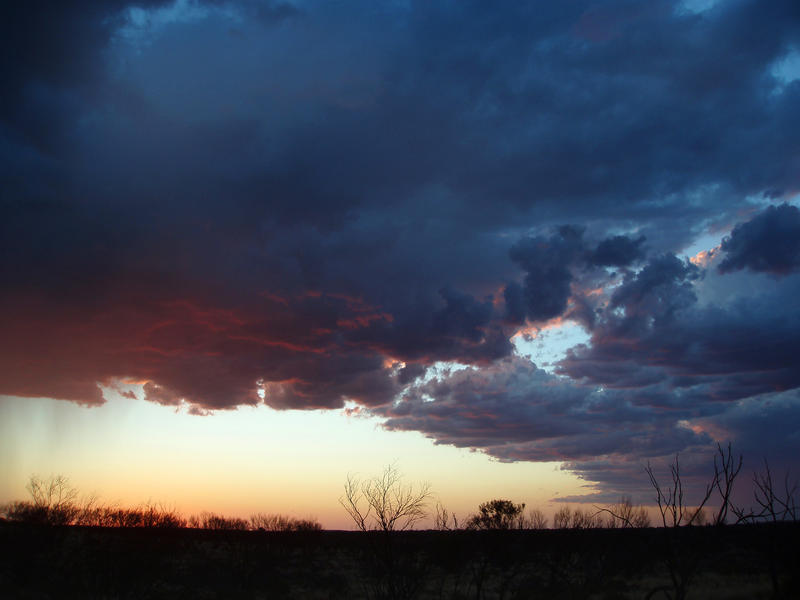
{"type": "Point", "coordinates": [661, 373]}
{"type": "Point", "coordinates": [308, 203]}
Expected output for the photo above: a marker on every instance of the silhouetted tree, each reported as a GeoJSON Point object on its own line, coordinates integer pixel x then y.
{"type": "Point", "coordinates": [774, 503]}
{"type": "Point", "coordinates": [385, 505]}
{"type": "Point", "coordinates": [671, 503]}
{"type": "Point", "coordinates": [568, 518]}
{"type": "Point", "coordinates": [384, 502]}
{"type": "Point", "coordinates": [53, 502]}
{"type": "Point", "coordinates": [443, 520]}
{"type": "Point", "coordinates": [535, 519]}
{"type": "Point", "coordinates": [725, 473]}
{"type": "Point", "coordinates": [625, 514]}
{"type": "Point", "coordinates": [682, 561]}
{"type": "Point", "coordinates": [497, 514]}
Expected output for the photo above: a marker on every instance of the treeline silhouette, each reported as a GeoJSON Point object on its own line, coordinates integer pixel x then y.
{"type": "Point", "coordinates": [488, 555]}
{"type": "Point", "coordinates": [504, 550]}
{"type": "Point", "coordinates": [386, 503]}
{"type": "Point", "coordinates": [55, 501]}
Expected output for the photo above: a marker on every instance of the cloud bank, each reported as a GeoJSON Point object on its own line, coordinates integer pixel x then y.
{"type": "Point", "coordinates": [303, 204]}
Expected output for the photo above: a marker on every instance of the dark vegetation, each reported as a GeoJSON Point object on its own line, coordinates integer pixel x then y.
{"type": "Point", "coordinates": [55, 502]}
{"type": "Point", "coordinates": [56, 547]}
{"type": "Point", "coordinates": [38, 561]}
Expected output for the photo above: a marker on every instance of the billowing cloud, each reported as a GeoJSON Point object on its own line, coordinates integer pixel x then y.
{"type": "Point", "coordinates": [654, 330]}
{"type": "Point", "coordinates": [516, 411]}
{"type": "Point", "coordinates": [769, 242]}
{"type": "Point", "coordinates": [618, 251]}
{"type": "Point", "coordinates": [548, 265]}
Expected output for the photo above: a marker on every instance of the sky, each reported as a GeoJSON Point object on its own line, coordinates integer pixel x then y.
{"type": "Point", "coordinates": [516, 249]}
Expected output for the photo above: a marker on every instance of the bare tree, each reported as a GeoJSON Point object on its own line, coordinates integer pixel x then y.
{"type": "Point", "coordinates": [443, 520]}
{"type": "Point", "coordinates": [387, 505]}
{"type": "Point", "coordinates": [536, 519]}
{"type": "Point", "coordinates": [681, 560]}
{"type": "Point", "coordinates": [624, 514]}
{"type": "Point", "coordinates": [55, 492]}
{"type": "Point", "coordinates": [562, 518]}
{"type": "Point", "coordinates": [724, 476]}
{"type": "Point", "coordinates": [54, 499]}
{"type": "Point", "coordinates": [567, 518]}
{"type": "Point", "coordinates": [775, 504]}
{"type": "Point", "coordinates": [384, 502]}
{"type": "Point", "coordinates": [585, 519]}
{"type": "Point", "coordinates": [671, 503]}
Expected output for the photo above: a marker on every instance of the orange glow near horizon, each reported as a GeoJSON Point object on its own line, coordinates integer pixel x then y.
{"type": "Point", "coordinates": [246, 461]}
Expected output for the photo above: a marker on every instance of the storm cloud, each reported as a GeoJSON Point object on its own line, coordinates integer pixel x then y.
{"type": "Point", "coordinates": [769, 243]}
{"type": "Point", "coordinates": [309, 203]}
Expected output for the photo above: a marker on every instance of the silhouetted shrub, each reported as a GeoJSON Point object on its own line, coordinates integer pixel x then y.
{"type": "Point", "coordinates": [444, 520]}
{"type": "Point", "coordinates": [26, 512]}
{"type": "Point", "coordinates": [497, 514]}
{"type": "Point", "coordinates": [210, 520]}
{"type": "Point", "coordinates": [270, 522]}
{"type": "Point", "coordinates": [625, 514]}
{"type": "Point", "coordinates": [53, 502]}
{"type": "Point", "coordinates": [535, 519]}
{"type": "Point", "coordinates": [568, 518]}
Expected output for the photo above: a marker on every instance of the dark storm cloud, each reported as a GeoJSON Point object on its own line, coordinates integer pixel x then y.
{"type": "Point", "coordinates": [515, 411]}
{"type": "Point", "coordinates": [519, 412]}
{"type": "Point", "coordinates": [654, 329]}
{"type": "Point", "coordinates": [548, 263]}
{"type": "Point", "coordinates": [618, 251]}
{"type": "Point", "coordinates": [315, 202]}
{"type": "Point", "coordinates": [769, 242]}
{"type": "Point", "coordinates": [662, 373]}
{"type": "Point", "coordinates": [50, 52]}
{"type": "Point", "coordinates": [554, 265]}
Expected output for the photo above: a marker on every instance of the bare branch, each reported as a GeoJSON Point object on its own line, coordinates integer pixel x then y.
{"type": "Point", "coordinates": [724, 476]}
{"type": "Point", "coordinates": [385, 502]}
{"type": "Point", "coordinates": [671, 505]}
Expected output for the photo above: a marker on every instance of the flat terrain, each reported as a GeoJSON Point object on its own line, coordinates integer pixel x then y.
{"type": "Point", "coordinates": [754, 561]}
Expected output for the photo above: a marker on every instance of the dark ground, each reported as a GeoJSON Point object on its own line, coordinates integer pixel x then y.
{"type": "Point", "coordinates": [752, 561]}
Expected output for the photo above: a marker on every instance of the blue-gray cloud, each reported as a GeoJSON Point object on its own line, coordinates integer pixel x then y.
{"type": "Point", "coordinates": [769, 242]}
{"type": "Point", "coordinates": [323, 199]}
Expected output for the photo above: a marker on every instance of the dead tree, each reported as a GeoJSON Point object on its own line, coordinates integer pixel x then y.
{"type": "Point", "coordinates": [775, 504]}
{"type": "Point", "coordinates": [625, 515]}
{"type": "Point", "coordinates": [382, 506]}
{"type": "Point", "coordinates": [724, 476]}
{"type": "Point", "coordinates": [443, 520]}
{"type": "Point", "coordinates": [536, 519]}
{"type": "Point", "coordinates": [681, 561]}
{"type": "Point", "coordinates": [384, 502]}
{"type": "Point", "coordinates": [671, 503]}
